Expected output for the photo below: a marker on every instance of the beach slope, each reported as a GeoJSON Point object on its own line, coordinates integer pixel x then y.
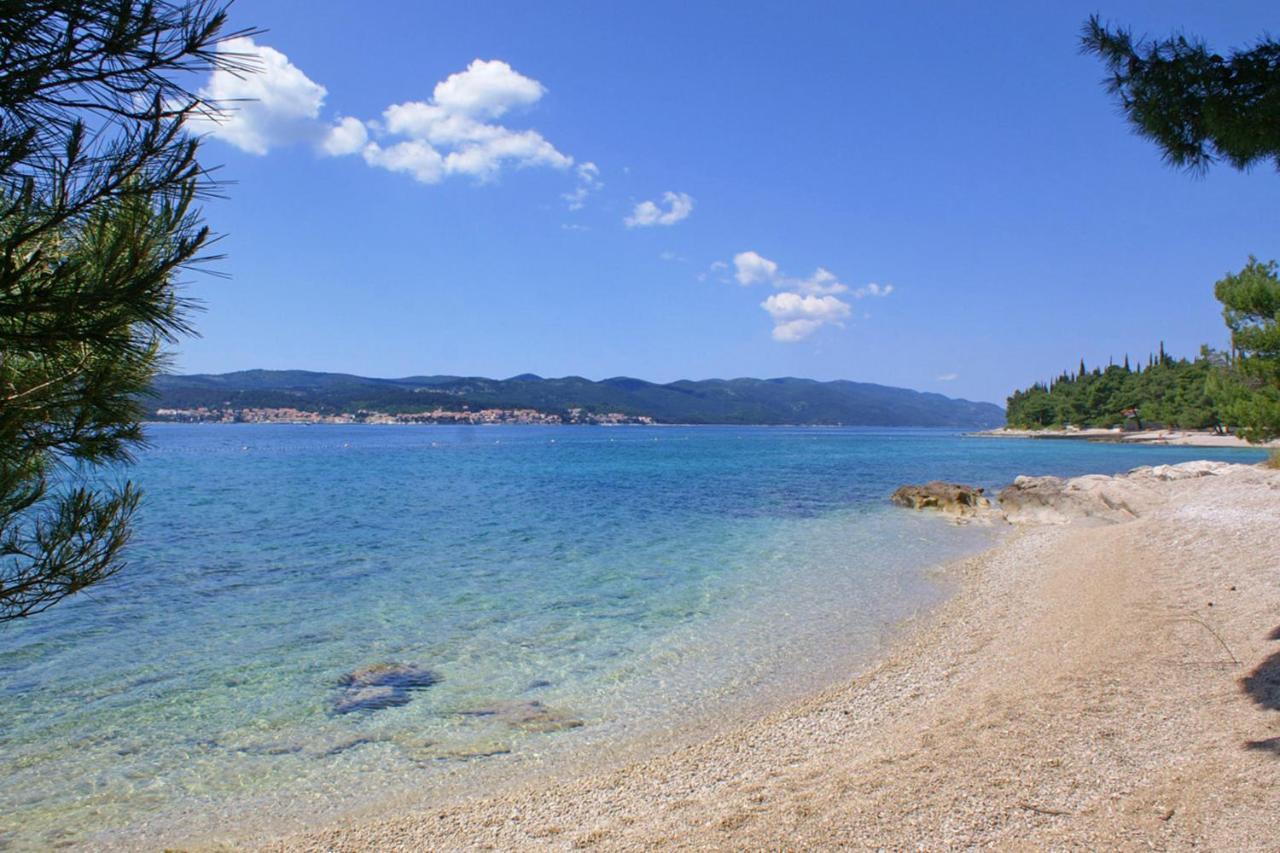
{"type": "Point", "coordinates": [1100, 684]}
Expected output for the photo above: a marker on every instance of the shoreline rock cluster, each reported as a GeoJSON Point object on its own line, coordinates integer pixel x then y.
{"type": "Point", "coordinates": [1055, 500]}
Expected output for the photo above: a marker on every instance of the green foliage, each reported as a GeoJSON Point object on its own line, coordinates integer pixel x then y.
{"type": "Point", "coordinates": [97, 189]}
{"type": "Point", "coordinates": [1198, 106]}
{"type": "Point", "coordinates": [1169, 392]}
{"type": "Point", "coordinates": [1240, 392]}
{"type": "Point", "coordinates": [1250, 389]}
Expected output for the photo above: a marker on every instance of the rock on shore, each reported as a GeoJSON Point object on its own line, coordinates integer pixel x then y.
{"type": "Point", "coordinates": [1054, 500]}
{"type": "Point", "coordinates": [953, 498]}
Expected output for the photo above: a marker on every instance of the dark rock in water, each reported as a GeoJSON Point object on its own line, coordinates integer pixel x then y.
{"type": "Point", "coordinates": [381, 685]}
{"type": "Point", "coordinates": [370, 699]}
{"type": "Point", "coordinates": [268, 749]}
{"type": "Point", "coordinates": [953, 498]}
{"type": "Point", "coordinates": [340, 748]}
{"type": "Point", "coordinates": [529, 716]}
{"type": "Point", "coordinates": [470, 752]}
{"type": "Point", "coordinates": [400, 675]}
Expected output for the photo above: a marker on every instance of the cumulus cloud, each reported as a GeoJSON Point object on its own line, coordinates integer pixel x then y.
{"type": "Point", "coordinates": [414, 158]}
{"type": "Point", "coordinates": [271, 104]}
{"type": "Point", "coordinates": [452, 126]}
{"type": "Point", "coordinates": [588, 182]}
{"type": "Point", "coordinates": [487, 88]}
{"type": "Point", "coordinates": [274, 104]}
{"type": "Point", "coordinates": [751, 268]}
{"type": "Point", "coordinates": [803, 305]}
{"type": "Point", "coordinates": [648, 213]}
{"type": "Point", "coordinates": [796, 316]}
{"type": "Point", "coordinates": [346, 137]}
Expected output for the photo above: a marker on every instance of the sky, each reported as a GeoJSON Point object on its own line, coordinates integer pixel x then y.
{"type": "Point", "coordinates": [937, 196]}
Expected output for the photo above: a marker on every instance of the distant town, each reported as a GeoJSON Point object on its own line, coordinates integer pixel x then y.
{"type": "Point", "coordinates": [231, 415]}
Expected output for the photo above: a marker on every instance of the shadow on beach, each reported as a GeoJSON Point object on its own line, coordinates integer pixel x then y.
{"type": "Point", "coordinates": [1263, 687]}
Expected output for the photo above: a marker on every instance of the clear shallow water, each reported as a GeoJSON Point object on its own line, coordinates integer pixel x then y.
{"type": "Point", "coordinates": [624, 578]}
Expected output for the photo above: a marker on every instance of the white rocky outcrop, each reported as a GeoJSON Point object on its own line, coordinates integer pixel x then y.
{"type": "Point", "coordinates": [1053, 500]}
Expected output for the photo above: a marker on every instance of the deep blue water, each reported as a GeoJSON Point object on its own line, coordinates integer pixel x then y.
{"type": "Point", "coordinates": [622, 578]}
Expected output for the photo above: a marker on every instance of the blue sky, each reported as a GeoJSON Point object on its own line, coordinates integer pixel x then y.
{"type": "Point", "coordinates": [937, 196]}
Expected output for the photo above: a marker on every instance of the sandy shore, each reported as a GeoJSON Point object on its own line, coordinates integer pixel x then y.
{"type": "Point", "coordinates": [1092, 685]}
{"type": "Point", "coordinates": [1183, 438]}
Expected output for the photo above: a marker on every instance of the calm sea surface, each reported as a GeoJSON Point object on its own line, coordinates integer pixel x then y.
{"type": "Point", "coordinates": [570, 587]}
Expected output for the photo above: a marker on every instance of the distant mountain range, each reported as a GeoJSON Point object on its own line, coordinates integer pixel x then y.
{"type": "Point", "coordinates": [708, 401]}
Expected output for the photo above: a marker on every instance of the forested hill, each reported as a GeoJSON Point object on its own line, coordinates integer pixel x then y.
{"type": "Point", "coordinates": [712, 401]}
{"type": "Point", "coordinates": [1166, 391]}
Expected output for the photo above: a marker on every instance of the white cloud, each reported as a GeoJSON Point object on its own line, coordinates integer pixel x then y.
{"type": "Point", "coordinates": [450, 124]}
{"type": "Point", "coordinates": [648, 213]}
{"type": "Point", "coordinates": [274, 103]}
{"type": "Point", "coordinates": [751, 268]}
{"type": "Point", "coordinates": [346, 137]}
{"type": "Point", "coordinates": [588, 182]}
{"type": "Point", "coordinates": [948, 377]}
{"type": "Point", "coordinates": [802, 305]}
{"type": "Point", "coordinates": [821, 282]}
{"type": "Point", "coordinates": [414, 158]}
{"type": "Point", "coordinates": [873, 289]}
{"type": "Point", "coordinates": [487, 88]}
{"type": "Point", "coordinates": [271, 104]}
{"type": "Point", "coordinates": [796, 315]}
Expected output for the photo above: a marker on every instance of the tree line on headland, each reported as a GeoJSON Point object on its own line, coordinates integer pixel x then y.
{"type": "Point", "coordinates": [1235, 391]}
{"type": "Point", "coordinates": [1200, 108]}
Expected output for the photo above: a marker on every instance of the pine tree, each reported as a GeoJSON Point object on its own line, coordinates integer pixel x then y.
{"type": "Point", "coordinates": [1251, 387]}
{"type": "Point", "coordinates": [98, 191]}
{"type": "Point", "coordinates": [1197, 105]}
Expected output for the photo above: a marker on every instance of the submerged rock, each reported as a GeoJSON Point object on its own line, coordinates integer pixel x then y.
{"type": "Point", "coordinates": [531, 716]}
{"type": "Point", "coordinates": [398, 675]}
{"type": "Point", "coordinates": [381, 685]}
{"type": "Point", "coordinates": [954, 498]}
{"type": "Point", "coordinates": [467, 752]}
{"type": "Point", "coordinates": [347, 745]}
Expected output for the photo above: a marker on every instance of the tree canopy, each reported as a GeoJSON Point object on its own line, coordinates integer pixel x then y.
{"type": "Point", "coordinates": [1238, 391]}
{"type": "Point", "coordinates": [99, 186]}
{"type": "Point", "coordinates": [1197, 105]}
{"type": "Point", "coordinates": [1251, 307]}
{"type": "Point", "coordinates": [1166, 391]}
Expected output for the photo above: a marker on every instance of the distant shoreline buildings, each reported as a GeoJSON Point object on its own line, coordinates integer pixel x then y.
{"type": "Point", "coordinates": [230, 415]}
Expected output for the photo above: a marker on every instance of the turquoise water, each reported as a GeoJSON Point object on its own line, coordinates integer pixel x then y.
{"type": "Point", "coordinates": [624, 579]}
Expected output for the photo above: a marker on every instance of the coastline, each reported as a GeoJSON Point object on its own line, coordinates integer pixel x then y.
{"type": "Point", "coordinates": [1167, 437]}
{"type": "Point", "coordinates": [1078, 688]}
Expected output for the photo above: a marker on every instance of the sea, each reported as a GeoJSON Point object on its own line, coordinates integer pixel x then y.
{"type": "Point", "coordinates": [320, 620]}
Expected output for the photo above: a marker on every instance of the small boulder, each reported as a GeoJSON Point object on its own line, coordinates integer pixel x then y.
{"type": "Point", "coordinates": [381, 685]}
{"type": "Point", "coordinates": [1053, 500]}
{"type": "Point", "coordinates": [405, 676]}
{"type": "Point", "coordinates": [529, 716]}
{"type": "Point", "coordinates": [953, 498]}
